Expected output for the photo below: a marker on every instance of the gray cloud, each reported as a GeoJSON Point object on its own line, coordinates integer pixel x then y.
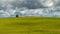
{"type": "Point", "coordinates": [32, 4]}
{"type": "Point", "coordinates": [10, 6]}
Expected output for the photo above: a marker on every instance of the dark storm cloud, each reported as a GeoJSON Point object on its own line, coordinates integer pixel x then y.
{"type": "Point", "coordinates": [31, 4]}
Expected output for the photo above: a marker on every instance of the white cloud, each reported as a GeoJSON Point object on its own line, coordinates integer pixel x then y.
{"type": "Point", "coordinates": [4, 14]}
{"type": "Point", "coordinates": [47, 3]}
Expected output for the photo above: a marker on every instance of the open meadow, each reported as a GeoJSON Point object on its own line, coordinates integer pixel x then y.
{"type": "Point", "coordinates": [30, 25]}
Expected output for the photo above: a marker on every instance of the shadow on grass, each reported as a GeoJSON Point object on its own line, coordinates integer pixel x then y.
{"type": "Point", "coordinates": [40, 31]}
{"type": "Point", "coordinates": [24, 23]}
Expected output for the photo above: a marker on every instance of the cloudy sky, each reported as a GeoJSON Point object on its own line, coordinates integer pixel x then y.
{"type": "Point", "coordinates": [10, 8]}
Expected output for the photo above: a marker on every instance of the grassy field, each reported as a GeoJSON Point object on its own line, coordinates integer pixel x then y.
{"type": "Point", "coordinates": [30, 25]}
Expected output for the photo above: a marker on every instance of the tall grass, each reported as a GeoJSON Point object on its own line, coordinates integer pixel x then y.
{"type": "Point", "coordinates": [30, 25]}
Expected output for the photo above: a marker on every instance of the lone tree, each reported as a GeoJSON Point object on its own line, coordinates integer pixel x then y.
{"type": "Point", "coordinates": [17, 15]}
{"type": "Point", "coordinates": [17, 12]}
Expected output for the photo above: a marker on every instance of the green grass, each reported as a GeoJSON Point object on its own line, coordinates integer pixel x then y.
{"type": "Point", "coordinates": [30, 25]}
